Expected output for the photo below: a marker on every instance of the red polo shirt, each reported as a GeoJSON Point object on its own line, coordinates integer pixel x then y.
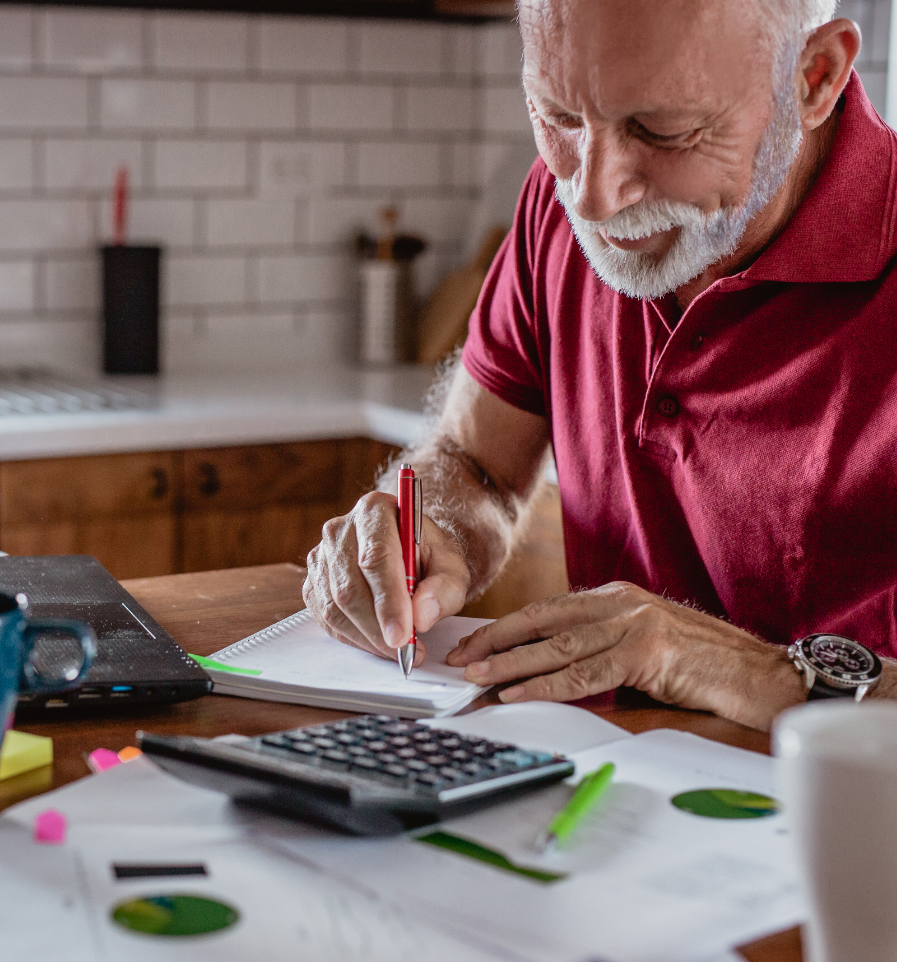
{"type": "Point", "coordinates": [743, 455]}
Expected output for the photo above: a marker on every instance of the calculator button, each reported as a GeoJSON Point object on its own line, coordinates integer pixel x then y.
{"type": "Point", "coordinates": [472, 768]}
{"type": "Point", "coordinates": [398, 728]}
{"type": "Point", "coordinates": [451, 742]}
{"type": "Point", "coordinates": [369, 764]}
{"type": "Point", "coordinates": [277, 741]}
{"type": "Point", "coordinates": [436, 760]}
{"type": "Point", "coordinates": [399, 741]}
{"type": "Point", "coordinates": [460, 755]}
{"type": "Point", "coordinates": [346, 739]}
{"type": "Point", "coordinates": [432, 779]}
{"type": "Point", "coordinates": [325, 743]}
{"type": "Point", "coordinates": [304, 748]}
{"type": "Point", "coordinates": [358, 751]}
{"type": "Point", "coordinates": [418, 766]}
{"type": "Point", "coordinates": [406, 753]}
{"type": "Point", "coordinates": [429, 747]}
{"type": "Point", "coordinates": [334, 755]}
{"type": "Point", "coordinates": [378, 746]}
{"type": "Point", "coordinates": [397, 771]}
{"type": "Point", "coordinates": [451, 774]}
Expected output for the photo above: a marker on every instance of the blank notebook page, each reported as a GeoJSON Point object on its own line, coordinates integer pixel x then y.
{"type": "Point", "coordinates": [296, 655]}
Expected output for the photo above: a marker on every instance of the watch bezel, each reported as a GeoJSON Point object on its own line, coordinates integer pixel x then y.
{"type": "Point", "coordinates": [843, 680]}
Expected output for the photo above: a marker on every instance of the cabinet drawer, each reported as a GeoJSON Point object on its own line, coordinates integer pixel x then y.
{"type": "Point", "coordinates": [139, 547]}
{"type": "Point", "coordinates": [258, 475]}
{"type": "Point", "coordinates": [255, 536]}
{"type": "Point", "coordinates": [85, 489]}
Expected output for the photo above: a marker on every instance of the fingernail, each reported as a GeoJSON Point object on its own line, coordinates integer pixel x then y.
{"type": "Point", "coordinates": [393, 633]}
{"type": "Point", "coordinates": [463, 641]}
{"type": "Point", "coordinates": [429, 611]}
{"type": "Point", "coordinates": [512, 694]}
{"type": "Point", "coordinates": [479, 669]}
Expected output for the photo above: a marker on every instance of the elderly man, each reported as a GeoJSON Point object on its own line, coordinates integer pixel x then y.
{"type": "Point", "coordinates": [697, 308]}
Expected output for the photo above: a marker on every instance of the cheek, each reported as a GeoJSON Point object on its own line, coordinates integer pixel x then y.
{"type": "Point", "coordinates": [557, 148]}
{"type": "Point", "coordinates": [709, 176]}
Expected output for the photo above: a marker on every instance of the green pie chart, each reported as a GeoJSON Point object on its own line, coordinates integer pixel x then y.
{"type": "Point", "coordinates": [726, 803]}
{"type": "Point", "coordinates": [174, 915]}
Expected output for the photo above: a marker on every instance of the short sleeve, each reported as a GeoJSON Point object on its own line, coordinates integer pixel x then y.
{"type": "Point", "coordinates": [502, 349]}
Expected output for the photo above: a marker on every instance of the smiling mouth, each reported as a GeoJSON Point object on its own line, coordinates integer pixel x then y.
{"type": "Point", "coordinates": [648, 243]}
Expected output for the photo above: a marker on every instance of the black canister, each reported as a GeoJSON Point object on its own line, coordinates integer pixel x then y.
{"type": "Point", "coordinates": [131, 309]}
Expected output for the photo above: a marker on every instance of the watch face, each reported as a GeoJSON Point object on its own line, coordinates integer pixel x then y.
{"type": "Point", "coordinates": [840, 658]}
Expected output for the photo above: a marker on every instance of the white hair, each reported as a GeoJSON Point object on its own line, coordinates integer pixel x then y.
{"type": "Point", "coordinates": [793, 20]}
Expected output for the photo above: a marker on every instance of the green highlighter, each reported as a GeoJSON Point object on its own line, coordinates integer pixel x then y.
{"type": "Point", "coordinates": [584, 799]}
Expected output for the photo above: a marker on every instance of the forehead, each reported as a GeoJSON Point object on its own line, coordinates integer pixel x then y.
{"type": "Point", "coordinates": [619, 55]}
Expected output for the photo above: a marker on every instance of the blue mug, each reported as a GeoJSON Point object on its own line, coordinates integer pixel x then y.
{"type": "Point", "coordinates": [37, 655]}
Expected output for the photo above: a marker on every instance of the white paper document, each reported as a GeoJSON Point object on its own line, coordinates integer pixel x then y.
{"type": "Point", "coordinates": [57, 903]}
{"type": "Point", "coordinates": [644, 881]}
{"type": "Point", "coordinates": [297, 661]}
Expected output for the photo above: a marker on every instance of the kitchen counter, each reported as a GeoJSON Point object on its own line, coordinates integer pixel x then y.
{"type": "Point", "coordinates": [185, 412]}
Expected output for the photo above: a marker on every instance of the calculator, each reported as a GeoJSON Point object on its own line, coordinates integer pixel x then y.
{"type": "Point", "coordinates": [370, 775]}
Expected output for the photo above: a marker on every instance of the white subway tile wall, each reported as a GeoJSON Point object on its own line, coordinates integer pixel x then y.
{"type": "Point", "coordinates": [257, 147]}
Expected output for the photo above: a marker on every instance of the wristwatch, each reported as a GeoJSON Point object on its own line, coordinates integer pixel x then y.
{"type": "Point", "coordinates": [835, 667]}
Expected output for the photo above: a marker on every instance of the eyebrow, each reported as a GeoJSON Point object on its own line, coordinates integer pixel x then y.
{"type": "Point", "coordinates": [691, 111]}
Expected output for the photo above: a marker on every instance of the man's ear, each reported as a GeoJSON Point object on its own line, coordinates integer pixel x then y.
{"type": "Point", "coordinates": [825, 66]}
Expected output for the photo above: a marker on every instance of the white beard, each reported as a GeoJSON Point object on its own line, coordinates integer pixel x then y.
{"type": "Point", "coordinates": [703, 239]}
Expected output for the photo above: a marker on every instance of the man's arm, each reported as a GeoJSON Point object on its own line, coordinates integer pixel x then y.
{"type": "Point", "coordinates": [480, 468]}
{"type": "Point", "coordinates": [580, 644]}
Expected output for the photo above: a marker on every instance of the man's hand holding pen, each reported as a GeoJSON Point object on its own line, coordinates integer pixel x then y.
{"type": "Point", "coordinates": [356, 585]}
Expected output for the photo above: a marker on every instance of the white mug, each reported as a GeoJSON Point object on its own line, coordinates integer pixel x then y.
{"type": "Point", "coordinates": [838, 783]}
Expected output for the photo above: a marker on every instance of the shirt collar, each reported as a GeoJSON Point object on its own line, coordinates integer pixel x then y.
{"type": "Point", "coordinates": [844, 230]}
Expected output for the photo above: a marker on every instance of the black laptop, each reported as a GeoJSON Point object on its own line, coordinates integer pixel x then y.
{"type": "Point", "coordinates": [137, 662]}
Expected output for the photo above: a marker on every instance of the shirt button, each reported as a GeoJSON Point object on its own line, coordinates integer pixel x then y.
{"type": "Point", "coordinates": [668, 407]}
{"type": "Point", "coordinates": [696, 342]}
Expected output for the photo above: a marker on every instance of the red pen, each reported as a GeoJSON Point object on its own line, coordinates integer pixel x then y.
{"type": "Point", "coordinates": [410, 516]}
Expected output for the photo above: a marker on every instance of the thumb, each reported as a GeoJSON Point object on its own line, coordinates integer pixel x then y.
{"type": "Point", "coordinates": [443, 588]}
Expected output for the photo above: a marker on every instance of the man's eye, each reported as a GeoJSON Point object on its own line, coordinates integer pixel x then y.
{"type": "Point", "coordinates": [554, 119]}
{"type": "Point", "coordinates": [671, 140]}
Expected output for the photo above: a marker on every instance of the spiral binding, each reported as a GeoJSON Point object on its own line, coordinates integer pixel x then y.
{"type": "Point", "coordinates": [265, 635]}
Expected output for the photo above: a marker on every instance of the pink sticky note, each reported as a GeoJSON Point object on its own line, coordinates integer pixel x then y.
{"type": "Point", "coordinates": [101, 758]}
{"type": "Point", "coordinates": [49, 827]}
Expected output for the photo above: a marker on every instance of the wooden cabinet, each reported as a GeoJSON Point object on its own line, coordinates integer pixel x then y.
{"type": "Point", "coordinates": [119, 508]}
{"type": "Point", "coordinates": [173, 511]}
{"type": "Point", "coordinates": [163, 512]}
{"type": "Point", "coordinates": [257, 504]}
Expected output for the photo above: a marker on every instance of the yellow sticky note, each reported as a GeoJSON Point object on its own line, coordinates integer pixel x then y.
{"type": "Point", "coordinates": [22, 752]}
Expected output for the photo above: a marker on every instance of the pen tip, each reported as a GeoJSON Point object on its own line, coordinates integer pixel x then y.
{"type": "Point", "coordinates": [406, 659]}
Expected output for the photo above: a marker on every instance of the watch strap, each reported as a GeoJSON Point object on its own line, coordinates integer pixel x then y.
{"type": "Point", "coordinates": [822, 691]}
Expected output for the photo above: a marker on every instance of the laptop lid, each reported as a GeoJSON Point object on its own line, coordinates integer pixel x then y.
{"type": "Point", "coordinates": [137, 660]}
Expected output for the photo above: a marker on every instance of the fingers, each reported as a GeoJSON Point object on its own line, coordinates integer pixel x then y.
{"type": "Point", "coordinates": [446, 578]}
{"type": "Point", "coordinates": [590, 676]}
{"type": "Point", "coordinates": [319, 600]}
{"type": "Point", "coordinates": [380, 562]}
{"type": "Point", "coordinates": [544, 657]}
{"type": "Point", "coordinates": [356, 586]}
{"type": "Point", "coordinates": [545, 619]}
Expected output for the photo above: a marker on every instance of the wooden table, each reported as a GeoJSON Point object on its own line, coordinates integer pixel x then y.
{"type": "Point", "coordinates": [205, 612]}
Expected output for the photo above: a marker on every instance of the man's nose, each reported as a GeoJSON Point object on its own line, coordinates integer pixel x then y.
{"type": "Point", "coordinates": [607, 179]}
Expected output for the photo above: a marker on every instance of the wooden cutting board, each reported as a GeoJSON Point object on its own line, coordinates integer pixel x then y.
{"type": "Point", "coordinates": [443, 320]}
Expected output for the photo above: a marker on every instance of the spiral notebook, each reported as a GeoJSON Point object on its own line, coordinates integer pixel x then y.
{"type": "Point", "coordinates": [297, 661]}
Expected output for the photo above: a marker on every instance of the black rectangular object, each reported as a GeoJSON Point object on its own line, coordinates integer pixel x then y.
{"type": "Point", "coordinates": [369, 775]}
{"type": "Point", "coordinates": [157, 871]}
{"type": "Point", "coordinates": [131, 309]}
{"type": "Point", "coordinates": [137, 663]}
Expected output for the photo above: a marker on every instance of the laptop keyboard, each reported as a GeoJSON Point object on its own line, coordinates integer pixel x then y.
{"type": "Point", "coordinates": [405, 753]}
